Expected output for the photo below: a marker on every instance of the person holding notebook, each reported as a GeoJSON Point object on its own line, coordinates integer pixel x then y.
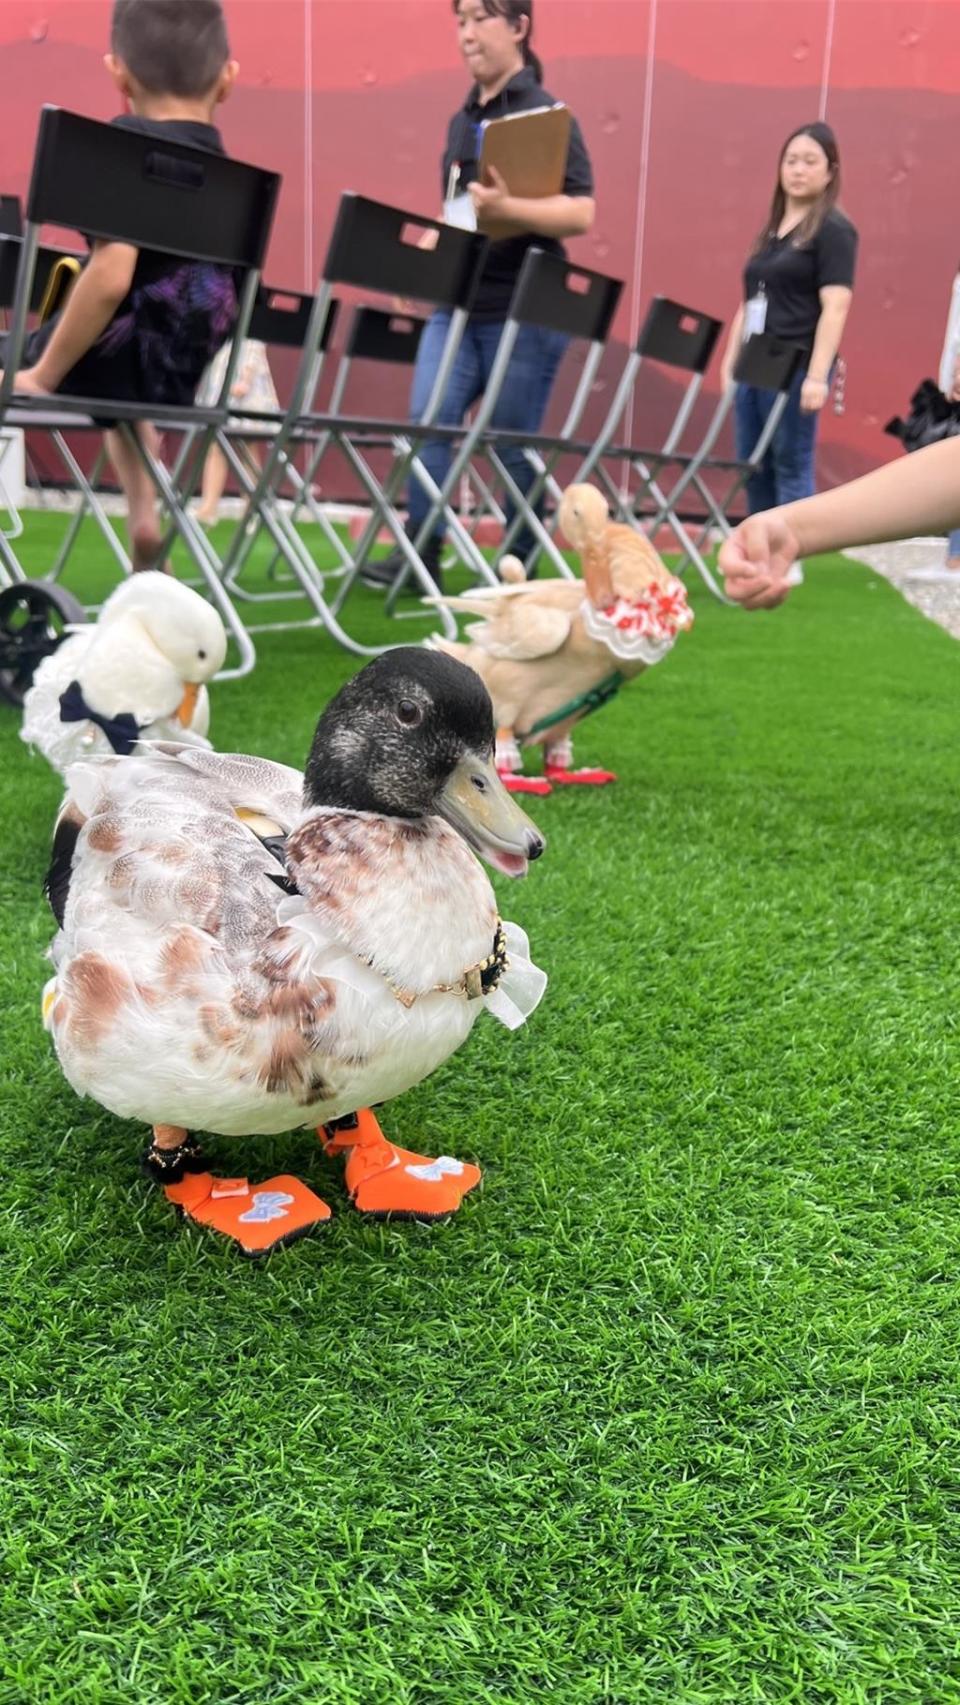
{"type": "Point", "coordinates": [495, 41]}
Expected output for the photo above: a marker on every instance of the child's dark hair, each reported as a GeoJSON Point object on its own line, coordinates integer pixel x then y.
{"type": "Point", "coordinates": [513, 11]}
{"type": "Point", "coordinates": [171, 47]}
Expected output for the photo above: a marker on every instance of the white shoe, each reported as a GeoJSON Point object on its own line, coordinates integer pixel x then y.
{"type": "Point", "coordinates": [921, 559]}
{"type": "Point", "coordinates": [942, 576]}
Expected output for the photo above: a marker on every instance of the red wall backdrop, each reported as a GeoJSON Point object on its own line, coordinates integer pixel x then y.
{"type": "Point", "coordinates": [684, 104]}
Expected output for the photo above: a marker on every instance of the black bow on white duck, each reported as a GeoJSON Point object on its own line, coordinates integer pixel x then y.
{"type": "Point", "coordinates": [246, 949]}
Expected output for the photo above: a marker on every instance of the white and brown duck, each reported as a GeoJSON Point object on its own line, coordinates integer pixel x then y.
{"type": "Point", "coordinates": [244, 949]}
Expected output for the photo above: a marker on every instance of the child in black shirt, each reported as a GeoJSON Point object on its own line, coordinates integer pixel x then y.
{"type": "Point", "coordinates": [138, 326]}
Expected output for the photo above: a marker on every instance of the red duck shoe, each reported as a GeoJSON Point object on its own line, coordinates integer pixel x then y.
{"type": "Point", "coordinates": [579, 778]}
{"type": "Point", "coordinates": [516, 782]}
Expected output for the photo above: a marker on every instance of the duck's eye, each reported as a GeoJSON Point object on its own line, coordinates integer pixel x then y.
{"type": "Point", "coordinates": [202, 656]}
{"type": "Point", "coordinates": [409, 713]}
{"type": "Point", "coordinates": [479, 783]}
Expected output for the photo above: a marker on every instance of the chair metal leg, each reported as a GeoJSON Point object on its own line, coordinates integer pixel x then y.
{"type": "Point", "coordinates": [89, 505]}
{"type": "Point", "coordinates": [197, 546]}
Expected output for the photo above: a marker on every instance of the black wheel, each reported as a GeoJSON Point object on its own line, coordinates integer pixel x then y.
{"type": "Point", "coordinates": [34, 617]}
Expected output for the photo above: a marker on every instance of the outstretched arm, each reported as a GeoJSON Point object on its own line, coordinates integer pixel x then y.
{"type": "Point", "coordinates": [918, 494]}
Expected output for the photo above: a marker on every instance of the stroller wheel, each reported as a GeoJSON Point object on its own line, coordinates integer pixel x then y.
{"type": "Point", "coordinates": [34, 618]}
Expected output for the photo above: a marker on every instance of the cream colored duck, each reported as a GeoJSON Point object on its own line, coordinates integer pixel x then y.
{"type": "Point", "coordinates": [551, 651]}
{"type": "Point", "coordinates": [138, 673]}
{"type": "Point", "coordinates": [246, 949]}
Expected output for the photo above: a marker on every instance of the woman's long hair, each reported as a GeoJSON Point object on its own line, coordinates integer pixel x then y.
{"type": "Point", "coordinates": [828, 198]}
{"type": "Point", "coordinates": [513, 11]}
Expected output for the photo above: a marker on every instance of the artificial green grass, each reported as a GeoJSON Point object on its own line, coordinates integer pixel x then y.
{"type": "Point", "coordinates": [669, 1411]}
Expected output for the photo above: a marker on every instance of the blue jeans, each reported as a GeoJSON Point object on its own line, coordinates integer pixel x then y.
{"type": "Point", "coordinates": [520, 406]}
{"type": "Point", "coordinates": [786, 472]}
{"type": "Point", "coordinates": [953, 543]}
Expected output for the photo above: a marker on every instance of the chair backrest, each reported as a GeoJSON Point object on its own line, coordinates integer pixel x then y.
{"type": "Point", "coordinates": [552, 293]}
{"type": "Point", "coordinates": [376, 335]}
{"type": "Point", "coordinates": [768, 362]}
{"type": "Point", "coordinates": [121, 186]}
{"type": "Point", "coordinates": [678, 336]}
{"type": "Point", "coordinates": [374, 247]}
{"type": "Point", "coordinates": [11, 216]}
{"type": "Point", "coordinates": [281, 318]}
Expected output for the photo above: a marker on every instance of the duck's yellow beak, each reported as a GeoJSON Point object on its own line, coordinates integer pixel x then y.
{"type": "Point", "coordinates": [188, 704]}
{"type": "Point", "coordinates": [476, 804]}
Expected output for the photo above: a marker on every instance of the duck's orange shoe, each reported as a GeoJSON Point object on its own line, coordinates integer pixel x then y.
{"type": "Point", "coordinates": [579, 778]}
{"type": "Point", "coordinates": [516, 782]}
{"type": "Point", "coordinates": [360, 1128]}
{"type": "Point", "coordinates": [386, 1180]}
{"type": "Point", "coordinates": [258, 1217]}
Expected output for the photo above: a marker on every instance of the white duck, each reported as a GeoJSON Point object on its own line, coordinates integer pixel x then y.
{"type": "Point", "coordinates": [136, 673]}
{"type": "Point", "coordinates": [193, 993]}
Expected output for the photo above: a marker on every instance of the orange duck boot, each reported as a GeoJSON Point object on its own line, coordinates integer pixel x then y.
{"type": "Point", "coordinates": [257, 1217]}
{"type": "Point", "coordinates": [387, 1181]}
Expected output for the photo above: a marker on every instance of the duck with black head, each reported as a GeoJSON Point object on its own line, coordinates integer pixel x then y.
{"type": "Point", "coordinates": [244, 949]}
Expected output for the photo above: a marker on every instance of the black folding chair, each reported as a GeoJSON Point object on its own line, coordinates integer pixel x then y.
{"type": "Point", "coordinates": [375, 335]}
{"type": "Point", "coordinates": [682, 340]}
{"type": "Point", "coordinates": [11, 216]}
{"type": "Point", "coordinates": [116, 185]}
{"type": "Point", "coordinates": [281, 319]}
{"type": "Point", "coordinates": [555, 295]}
{"type": "Point", "coordinates": [770, 364]}
{"type": "Point", "coordinates": [373, 247]}
{"type": "Point", "coordinates": [53, 268]}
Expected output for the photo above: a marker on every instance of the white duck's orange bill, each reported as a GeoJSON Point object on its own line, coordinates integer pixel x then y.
{"type": "Point", "coordinates": [188, 704]}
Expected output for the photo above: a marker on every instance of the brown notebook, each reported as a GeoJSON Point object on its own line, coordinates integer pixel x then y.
{"type": "Point", "coordinates": [529, 150]}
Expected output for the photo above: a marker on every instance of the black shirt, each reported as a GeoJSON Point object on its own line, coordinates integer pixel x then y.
{"type": "Point", "coordinates": [522, 94]}
{"type": "Point", "coordinates": [794, 275]}
{"type": "Point", "coordinates": [192, 131]}
{"type": "Point", "coordinates": [187, 130]}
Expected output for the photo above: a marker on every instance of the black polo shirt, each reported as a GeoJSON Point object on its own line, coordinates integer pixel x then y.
{"type": "Point", "coordinates": [522, 94]}
{"type": "Point", "coordinates": [793, 276]}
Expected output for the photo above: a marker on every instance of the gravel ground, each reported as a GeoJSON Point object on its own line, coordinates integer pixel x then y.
{"type": "Point", "coordinates": [915, 568]}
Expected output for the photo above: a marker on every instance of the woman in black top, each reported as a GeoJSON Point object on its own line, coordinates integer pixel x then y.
{"type": "Point", "coordinates": [495, 41]}
{"type": "Point", "coordinates": [798, 284]}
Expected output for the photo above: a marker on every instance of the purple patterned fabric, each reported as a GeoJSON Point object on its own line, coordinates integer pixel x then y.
{"type": "Point", "coordinates": [172, 330]}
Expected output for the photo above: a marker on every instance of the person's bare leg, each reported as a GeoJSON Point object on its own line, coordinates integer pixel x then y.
{"type": "Point", "coordinates": [146, 539]}
{"type": "Point", "coordinates": [212, 485]}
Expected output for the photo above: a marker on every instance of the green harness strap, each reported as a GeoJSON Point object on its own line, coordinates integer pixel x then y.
{"type": "Point", "coordinates": [587, 703]}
